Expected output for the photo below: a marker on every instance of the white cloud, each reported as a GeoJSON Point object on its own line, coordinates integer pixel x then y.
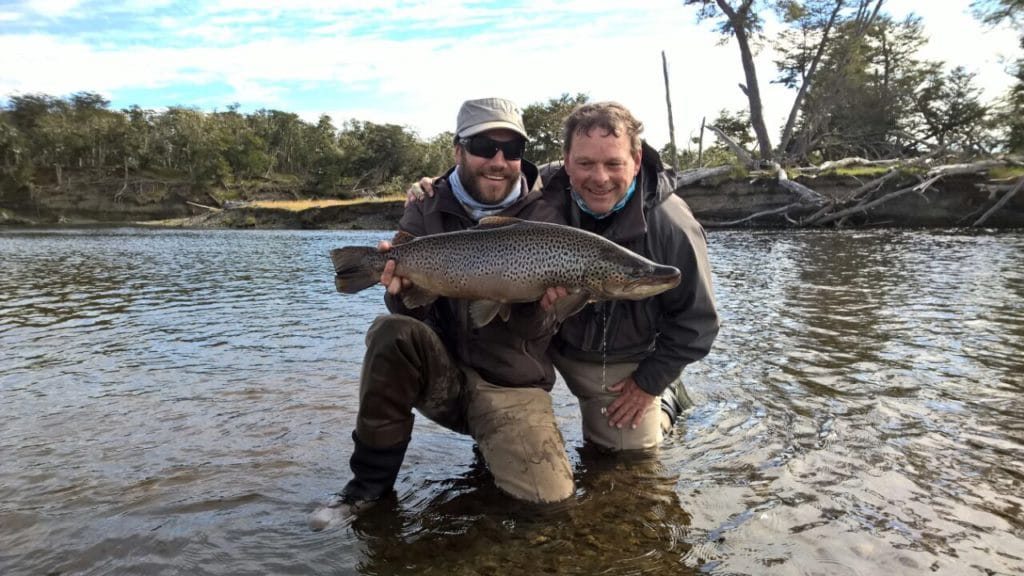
{"type": "Point", "coordinates": [53, 8]}
{"type": "Point", "coordinates": [531, 54]}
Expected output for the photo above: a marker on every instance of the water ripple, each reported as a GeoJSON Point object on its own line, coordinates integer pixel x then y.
{"type": "Point", "coordinates": [177, 401]}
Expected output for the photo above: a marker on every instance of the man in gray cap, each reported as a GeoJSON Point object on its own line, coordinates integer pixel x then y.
{"type": "Point", "coordinates": [493, 382]}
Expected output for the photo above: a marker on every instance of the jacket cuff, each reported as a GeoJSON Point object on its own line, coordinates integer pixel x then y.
{"type": "Point", "coordinates": [654, 379]}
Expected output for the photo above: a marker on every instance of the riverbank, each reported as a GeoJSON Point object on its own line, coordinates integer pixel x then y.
{"type": "Point", "coordinates": [719, 198]}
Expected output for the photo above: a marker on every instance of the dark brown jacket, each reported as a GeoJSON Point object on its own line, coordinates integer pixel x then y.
{"type": "Point", "coordinates": [663, 333]}
{"type": "Point", "coordinates": [512, 353]}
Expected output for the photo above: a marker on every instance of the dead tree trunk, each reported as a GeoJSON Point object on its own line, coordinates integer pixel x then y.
{"type": "Point", "coordinates": [671, 126]}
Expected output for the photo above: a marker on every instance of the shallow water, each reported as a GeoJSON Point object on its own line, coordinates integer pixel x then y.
{"type": "Point", "coordinates": [177, 401]}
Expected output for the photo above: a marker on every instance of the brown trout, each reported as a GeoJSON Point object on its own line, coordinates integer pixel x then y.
{"type": "Point", "coordinates": [506, 260]}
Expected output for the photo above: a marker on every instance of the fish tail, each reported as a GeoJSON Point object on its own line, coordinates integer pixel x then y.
{"type": "Point", "coordinates": [356, 268]}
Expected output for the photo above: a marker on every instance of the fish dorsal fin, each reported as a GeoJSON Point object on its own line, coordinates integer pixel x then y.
{"type": "Point", "coordinates": [414, 297]}
{"type": "Point", "coordinates": [483, 311]}
{"type": "Point", "coordinates": [488, 222]}
{"type": "Point", "coordinates": [401, 237]}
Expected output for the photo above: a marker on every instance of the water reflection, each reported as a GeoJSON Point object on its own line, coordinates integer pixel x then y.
{"type": "Point", "coordinates": [177, 401]}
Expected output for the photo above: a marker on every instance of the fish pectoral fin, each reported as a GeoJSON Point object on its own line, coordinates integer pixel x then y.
{"type": "Point", "coordinates": [490, 222]}
{"type": "Point", "coordinates": [483, 311]}
{"type": "Point", "coordinates": [568, 305]}
{"type": "Point", "coordinates": [414, 297]}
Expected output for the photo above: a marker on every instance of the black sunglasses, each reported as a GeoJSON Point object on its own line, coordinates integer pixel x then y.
{"type": "Point", "coordinates": [485, 147]}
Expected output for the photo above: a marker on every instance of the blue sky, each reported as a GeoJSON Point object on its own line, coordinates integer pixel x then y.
{"type": "Point", "coordinates": [414, 62]}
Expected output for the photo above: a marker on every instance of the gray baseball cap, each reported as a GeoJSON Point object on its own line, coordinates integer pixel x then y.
{"type": "Point", "coordinates": [478, 116]}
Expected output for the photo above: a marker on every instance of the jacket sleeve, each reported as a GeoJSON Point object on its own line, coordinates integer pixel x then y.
{"type": "Point", "coordinates": [688, 321]}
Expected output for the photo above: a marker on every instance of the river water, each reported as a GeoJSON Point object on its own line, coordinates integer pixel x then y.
{"type": "Point", "coordinates": [176, 402]}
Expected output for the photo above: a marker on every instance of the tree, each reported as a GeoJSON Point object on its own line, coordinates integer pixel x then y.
{"type": "Point", "coordinates": [863, 99]}
{"type": "Point", "coordinates": [376, 154]}
{"type": "Point", "coordinates": [1014, 115]}
{"type": "Point", "coordinates": [543, 123]}
{"type": "Point", "coordinates": [243, 150]}
{"type": "Point", "coordinates": [999, 11]}
{"type": "Point", "coordinates": [741, 20]}
{"type": "Point", "coordinates": [735, 126]}
{"type": "Point", "coordinates": [808, 41]}
{"type": "Point", "coordinates": [1011, 113]}
{"type": "Point", "coordinates": [950, 110]}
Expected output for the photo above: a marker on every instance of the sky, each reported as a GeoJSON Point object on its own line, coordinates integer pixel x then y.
{"type": "Point", "coordinates": [413, 62]}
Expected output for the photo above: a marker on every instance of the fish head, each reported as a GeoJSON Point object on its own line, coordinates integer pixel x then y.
{"type": "Point", "coordinates": [624, 275]}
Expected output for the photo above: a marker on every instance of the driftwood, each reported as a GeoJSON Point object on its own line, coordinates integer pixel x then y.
{"type": "Point", "coordinates": [873, 185]}
{"type": "Point", "coordinates": [779, 210]}
{"type": "Point", "coordinates": [197, 205]}
{"type": "Point", "coordinates": [805, 194]}
{"type": "Point", "coordinates": [853, 161]}
{"type": "Point", "coordinates": [1002, 201]}
{"type": "Point", "coordinates": [697, 174]}
{"type": "Point", "coordinates": [863, 206]}
{"type": "Point", "coordinates": [823, 210]}
{"type": "Point", "coordinates": [953, 169]}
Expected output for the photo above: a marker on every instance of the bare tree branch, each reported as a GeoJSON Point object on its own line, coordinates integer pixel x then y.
{"type": "Point", "coordinates": [1002, 202]}
{"type": "Point", "coordinates": [744, 156]}
{"type": "Point", "coordinates": [781, 209]}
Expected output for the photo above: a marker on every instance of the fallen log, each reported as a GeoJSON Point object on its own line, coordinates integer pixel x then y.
{"type": "Point", "coordinates": [782, 209]}
{"type": "Point", "coordinates": [197, 205]}
{"type": "Point", "coordinates": [973, 167]}
{"type": "Point", "coordinates": [1002, 202]}
{"type": "Point", "coordinates": [855, 161]}
{"type": "Point", "coordinates": [865, 206]}
{"type": "Point", "coordinates": [697, 174]}
{"type": "Point", "coordinates": [874, 185]}
{"type": "Point", "coordinates": [805, 194]}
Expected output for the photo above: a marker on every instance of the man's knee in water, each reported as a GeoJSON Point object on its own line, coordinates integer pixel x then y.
{"type": "Point", "coordinates": [389, 328]}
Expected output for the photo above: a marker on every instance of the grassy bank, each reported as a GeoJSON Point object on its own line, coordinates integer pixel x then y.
{"type": "Point", "coordinates": [300, 205]}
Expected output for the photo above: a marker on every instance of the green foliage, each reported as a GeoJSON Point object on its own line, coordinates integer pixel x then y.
{"type": "Point", "coordinates": [1008, 118]}
{"type": "Point", "coordinates": [950, 110]}
{"type": "Point", "coordinates": [1014, 118]}
{"type": "Point", "coordinates": [866, 96]}
{"type": "Point", "coordinates": [999, 11]}
{"type": "Point", "coordinates": [735, 125]}
{"type": "Point", "coordinates": [543, 122]}
{"type": "Point", "coordinates": [750, 11]}
{"type": "Point", "coordinates": [41, 135]}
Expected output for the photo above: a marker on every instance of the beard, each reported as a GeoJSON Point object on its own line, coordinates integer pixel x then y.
{"type": "Point", "coordinates": [486, 190]}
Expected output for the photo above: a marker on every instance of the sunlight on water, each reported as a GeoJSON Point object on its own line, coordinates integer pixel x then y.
{"type": "Point", "coordinates": [177, 401]}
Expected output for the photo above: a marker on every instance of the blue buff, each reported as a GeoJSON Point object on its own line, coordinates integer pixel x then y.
{"type": "Point", "coordinates": [478, 210]}
{"type": "Point", "coordinates": [618, 206]}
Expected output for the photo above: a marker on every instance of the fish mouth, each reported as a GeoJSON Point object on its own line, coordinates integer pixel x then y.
{"type": "Point", "coordinates": [657, 282]}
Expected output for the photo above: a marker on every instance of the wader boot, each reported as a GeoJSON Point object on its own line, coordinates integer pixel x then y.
{"type": "Point", "coordinates": [674, 401]}
{"type": "Point", "coordinates": [374, 471]}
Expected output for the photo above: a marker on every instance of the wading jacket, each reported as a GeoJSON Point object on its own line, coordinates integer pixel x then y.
{"type": "Point", "coordinates": [663, 333]}
{"type": "Point", "coordinates": [512, 353]}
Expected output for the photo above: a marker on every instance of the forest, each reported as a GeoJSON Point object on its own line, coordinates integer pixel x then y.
{"type": "Point", "coordinates": [861, 91]}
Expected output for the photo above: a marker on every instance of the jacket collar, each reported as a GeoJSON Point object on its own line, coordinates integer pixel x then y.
{"type": "Point", "coordinates": [444, 200]}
